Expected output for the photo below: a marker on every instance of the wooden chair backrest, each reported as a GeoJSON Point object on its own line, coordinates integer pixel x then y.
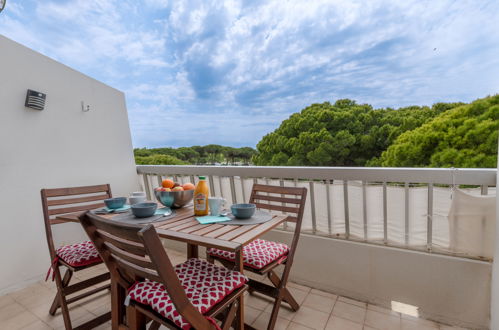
{"type": "Point", "coordinates": [290, 200]}
{"type": "Point", "coordinates": [58, 201]}
{"type": "Point", "coordinates": [134, 253]}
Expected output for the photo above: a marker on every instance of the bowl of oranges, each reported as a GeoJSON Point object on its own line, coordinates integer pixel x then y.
{"type": "Point", "coordinates": [174, 195]}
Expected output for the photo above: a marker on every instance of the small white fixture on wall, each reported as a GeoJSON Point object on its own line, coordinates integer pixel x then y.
{"type": "Point", "coordinates": [85, 107]}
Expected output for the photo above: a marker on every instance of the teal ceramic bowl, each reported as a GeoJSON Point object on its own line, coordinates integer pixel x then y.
{"type": "Point", "coordinates": [144, 210]}
{"type": "Point", "coordinates": [243, 211]}
{"type": "Point", "coordinates": [115, 203]}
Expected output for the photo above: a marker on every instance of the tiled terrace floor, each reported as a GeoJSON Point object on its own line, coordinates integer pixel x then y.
{"type": "Point", "coordinates": [28, 309]}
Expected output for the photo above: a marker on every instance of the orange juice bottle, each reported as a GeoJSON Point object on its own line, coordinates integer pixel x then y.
{"type": "Point", "coordinates": [201, 194]}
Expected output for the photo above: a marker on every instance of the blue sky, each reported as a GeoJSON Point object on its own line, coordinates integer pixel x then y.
{"type": "Point", "coordinates": [228, 72]}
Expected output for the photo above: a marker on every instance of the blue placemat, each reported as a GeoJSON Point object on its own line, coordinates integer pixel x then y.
{"type": "Point", "coordinates": [163, 211]}
{"type": "Point", "coordinates": [212, 219]}
{"type": "Point", "coordinates": [106, 210]}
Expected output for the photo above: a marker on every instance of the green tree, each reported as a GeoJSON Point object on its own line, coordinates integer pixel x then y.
{"type": "Point", "coordinates": [158, 160]}
{"type": "Point", "coordinates": [341, 134]}
{"type": "Point", "coordinates": [465, 136]}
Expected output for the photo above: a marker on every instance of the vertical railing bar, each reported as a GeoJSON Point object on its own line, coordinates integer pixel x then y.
{"type": "Point", "coordinates": [328, 206]}
{"type": "Point", "coordinates": [147, 186]}
{"type": "Point", "coordinates": [233, 190]}
{"type": "Point", "coordinates": [406, 209]}
{"type": "Point", "coordinates": [364, 208]}
{"type": "Point", "coordinates": [220, 186]}
{"type": "Point", "coordinates": [281, 183]}
{"type": "Point", "coordinates": [429, 238]}
{"type": "Point", "coordinates": [175, 178]}
{"type": "Point", "coordinates": [312, 206]}
{"type": "Point", "coordinates": [295, 181]}
{"type": "Point", "coordinates": [212, 185]}
{"type": "Point", "coordinates": [345, 204]}
{"type": "Point", "coordinates": [243, 190]}
{"type": "Point", "coordinates": [255, 180]}
{"type": "Point", "coordinates": [192, 179]}
{"type": "Point", "coordinates": [484, 190]}
{"type": "Point", "coordinates": [160, 180]}
{"type": "Point", "coordinates": [385, 214]}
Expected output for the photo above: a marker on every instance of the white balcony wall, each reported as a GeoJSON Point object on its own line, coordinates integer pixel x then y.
{"type": "Point", "coordinates": [57, 147]}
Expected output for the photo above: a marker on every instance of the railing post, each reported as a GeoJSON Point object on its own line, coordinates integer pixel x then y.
{"type": "Point", "coordinates": [285, 225]}
{"type": "Point", "coordinates": [484, 189]}
{"type": "Point", "coordinates": [147, 186]}
{"type": "Point", "coordinates": [364, 208]}
{"type": "Point", "coordinates": [243, 190]}
{"type": "Point", "coordinates": [233, 190]}
{"type": "Point", "coordinates": [385, 214]}
{"type": "Point", "coordinates": [429, 238]}
{"type": "Point", "coordinates": [406, 216]}
{"type": "Point", "coordinates": [328, 205]}
{"type": "Point", "coordinates": [312, 206]}
{"type": "Point", "coordinates": [212, 185]}
{"type": "Point", "coordinates": [220, 186]}
{"type": "Point", "coordinates": [345, 204]}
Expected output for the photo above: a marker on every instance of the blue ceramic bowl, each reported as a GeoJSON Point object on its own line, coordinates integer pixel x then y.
{"type": "Point", "coordinates": [243, 211]}
{"type": "Point", "coordinates": [115, 203]}
{"type": "Point", "coordinates": [144, 210]}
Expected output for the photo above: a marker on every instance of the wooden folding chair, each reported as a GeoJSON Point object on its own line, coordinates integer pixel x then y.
{"type": "Point", "coordinates": [189, 294]}
{"type": "Point", "coordinates": [75, 257]}
{"type": "Point", "coordinates": [261, 256]}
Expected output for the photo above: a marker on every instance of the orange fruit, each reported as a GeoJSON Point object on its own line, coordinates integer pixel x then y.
{"type": "Point", "coordinates": [179, 188]}
{"type": "Point", "coordinates": [188, 186]}
{"type": "Point", "coordinates": [167, 183]}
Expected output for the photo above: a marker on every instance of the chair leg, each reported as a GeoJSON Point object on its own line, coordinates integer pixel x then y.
{"type": "Point", "coordinates": [117, 304]}
{"type": "Point", "coordinates": [135, 319]}
{"type": "Point", "coordinates": [64, 283]}
{"type": "Point", "coordinates": [275, 312]}
{"type": "Point", "coordinates": [154, 325]}
{"type": "Point", "coordinates": [231, 314]}
{"type": "Point", "coordinates": [61, 297]}
{"type": "Point", "coordinates": [210, 259]}
{"type": "Point", "coordinates": [286, 295]}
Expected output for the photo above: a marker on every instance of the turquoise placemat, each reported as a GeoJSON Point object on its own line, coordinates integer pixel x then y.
{"type": "Point", "coordinates": [105, 210]}
{"type": "Point", "coordinates": [212, 219]}
{"type": "Point", "coordinates": [121, 209]}
{"type": "Point", "coordinates": [163, 211]}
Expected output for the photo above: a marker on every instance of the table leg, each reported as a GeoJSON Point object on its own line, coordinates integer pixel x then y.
{"type": "Point", "coordinates": [240, 311]}
{"type": "Point", "coordinates": [192, 251]}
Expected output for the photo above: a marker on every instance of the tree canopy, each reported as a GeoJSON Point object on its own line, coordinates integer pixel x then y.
{"type": "Point", "coordinates": [341, 134]}
{"type": "Point", "coordinates": [465, 136]}
{"type": "Point", "coordinates": [209, 154]}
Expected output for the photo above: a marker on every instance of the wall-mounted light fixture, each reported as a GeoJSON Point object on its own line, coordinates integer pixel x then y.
{"type": "Point", "coordinates": [35, 100]}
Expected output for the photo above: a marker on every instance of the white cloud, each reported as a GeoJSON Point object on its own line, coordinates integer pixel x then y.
{"type": "Point", "coordinates": [234, 69]}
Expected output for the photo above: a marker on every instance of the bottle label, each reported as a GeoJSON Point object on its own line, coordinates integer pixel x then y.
{"type": "Point", "coordinates": [200, 202]}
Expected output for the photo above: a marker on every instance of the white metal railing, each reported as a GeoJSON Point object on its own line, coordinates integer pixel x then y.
{"type": "Point", "coordinates": [350, 187]}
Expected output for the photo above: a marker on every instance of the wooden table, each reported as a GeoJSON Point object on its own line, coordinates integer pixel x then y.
{"type": "Point", "coordinates": [184, 227]}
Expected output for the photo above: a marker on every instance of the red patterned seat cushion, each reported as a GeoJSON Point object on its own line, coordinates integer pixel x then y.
{"type": "Point", "coordinates": [78, 255]}
{"type": "Point", "coordinates": [256, 254]}
{"type": "Point", "coordinates": [205, 285]}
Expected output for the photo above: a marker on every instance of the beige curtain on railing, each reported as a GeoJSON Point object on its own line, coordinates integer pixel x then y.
{"type": "Point", "coordinates": [472, 224]}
